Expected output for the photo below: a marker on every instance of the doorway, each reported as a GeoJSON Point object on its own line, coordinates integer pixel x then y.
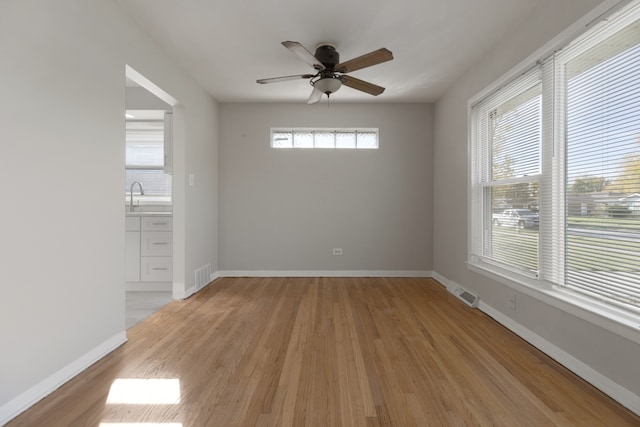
{"type": "Point", "coordinates": [149, 198]}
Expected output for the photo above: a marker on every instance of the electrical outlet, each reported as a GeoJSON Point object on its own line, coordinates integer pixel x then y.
{"type": "Point", "coordinates": [512, 300]}
{"type": "Point", "coordinates": [337, 251]}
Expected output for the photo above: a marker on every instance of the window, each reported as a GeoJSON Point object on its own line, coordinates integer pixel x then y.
{"type": "Point", "coordinates": [324, 138]}
{"type": "Point", "coordinates": [509, 124]}
{"type": "Point", "coordinates": [144, 157]}
{"type": "Point", "coordinates": [555, 171]}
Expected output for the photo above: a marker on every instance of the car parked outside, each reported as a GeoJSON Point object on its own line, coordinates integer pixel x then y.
{"type": "Point", "coordinates": [520, 218]}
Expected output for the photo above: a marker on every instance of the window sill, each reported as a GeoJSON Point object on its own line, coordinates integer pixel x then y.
{"type": "Point", "coordinates": [618, 321]}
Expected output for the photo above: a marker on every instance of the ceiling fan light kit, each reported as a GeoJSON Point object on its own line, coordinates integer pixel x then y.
{"type": "Point", "coordinates": [330, 72]}
{"type": "Point", "coordinates": [327, 85]}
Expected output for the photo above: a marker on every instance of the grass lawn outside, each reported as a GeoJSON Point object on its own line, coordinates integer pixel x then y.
{"type": "Point", "coordinates": [626, 223]}
{"type": "Point", "coordinates": [590, 259]}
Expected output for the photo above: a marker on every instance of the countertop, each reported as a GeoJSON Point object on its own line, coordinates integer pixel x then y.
{"type": "Point", "coordinates": [154, 213]}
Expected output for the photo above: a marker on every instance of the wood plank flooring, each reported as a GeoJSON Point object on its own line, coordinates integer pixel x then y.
{"type": "Point", "coordinates": [328, 352]}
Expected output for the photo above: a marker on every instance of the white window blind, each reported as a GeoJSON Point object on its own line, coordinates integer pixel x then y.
{"type": "Point", "coordinates": [144, 157]}
{"type": "Point", "coordinates": [602, 86]}
{"type": "Point", "coordinates": [509, 164]}
{"type": "Point", "coordinates": [561, 145]}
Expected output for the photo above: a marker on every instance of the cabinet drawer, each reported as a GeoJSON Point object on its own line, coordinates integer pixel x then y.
{"type": "Point", "coordinates": [156, 269]}
{"type": "Point", "coordinates": [162, 223]}
{"type": "Point", "coordinates": [131, 223]}
{"type": "Point", "coordinates": [156, 243]}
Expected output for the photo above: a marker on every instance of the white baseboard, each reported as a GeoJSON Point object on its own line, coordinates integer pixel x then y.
{"type": "Point", "coordinates": [192, 290]}
{"type": "Point", "coordinates": [178, 294]}
{"type": "Point", "coordinates": [451, 286]}
{"type": "Point", "coordinates": [149, 286]}
{"type": "Point", "coordinates": [614, 390]}
{"type": "Point", "coordinates": [324, 273]}
{"type": "Point", "coordinates": [24, 401]}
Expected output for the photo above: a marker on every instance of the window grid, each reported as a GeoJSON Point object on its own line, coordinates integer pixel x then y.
{"type": "Point", "coordinates": [321, 138]}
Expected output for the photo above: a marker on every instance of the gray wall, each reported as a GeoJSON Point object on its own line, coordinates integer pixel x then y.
{"type": "Point", "coordinates": [62, 133]}
{"type": "Point", "coordinates": [286, 209]}
{"type": "Point", "coordinates": [606, 352]}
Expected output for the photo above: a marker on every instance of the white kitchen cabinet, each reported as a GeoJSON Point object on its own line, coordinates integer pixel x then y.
{"type": "Point", "coordinates": [149, 249]}
{"type": "Point", "coordinates": [156, 269]}
{"type": "Point", "coordinates": [132, 223]}
{"type": "Point", "coordinates": [156, 243]}
{"type": "Point", "coordinates": [132, 249]}
{"type": "Point", "coordinates": [132, 256]}
{"type": "Point", "coordinates": [154, 223]}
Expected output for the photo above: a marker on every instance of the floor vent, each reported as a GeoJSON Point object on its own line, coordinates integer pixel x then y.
{"type": "Point", "coordinates": [467, 297]}
{"type": "Point", "coordinates": [203, 276]}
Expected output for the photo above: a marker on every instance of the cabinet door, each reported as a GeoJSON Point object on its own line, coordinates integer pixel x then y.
{"type": "Point", "coordinates": [156, 243]}
{"type": "Point", "coordinates": [156, 269]}
{"type": "Point", "coordinates": [132, 223]}
{"type": "Point", "coordinates": [132, 256]}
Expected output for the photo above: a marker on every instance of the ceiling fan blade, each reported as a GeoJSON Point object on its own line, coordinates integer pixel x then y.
{"type": "Point", "coordinates": [315, 97]}
{"type": "Point", "coordinates": [367, 60]}
{"type": "Point", "coordinates": [361, 85]}
{"type": "Point", "coordinates": [284, 78]}
{"type": "Point", "coordinates": [303, 54]}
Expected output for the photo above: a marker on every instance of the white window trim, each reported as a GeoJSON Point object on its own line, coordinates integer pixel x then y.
{"type": "Point", "coordinates": [596, 15]}
{"type": "Point", "coordinates": [618, 321]}
{"type": "Point", "coordinates": [320, 129]}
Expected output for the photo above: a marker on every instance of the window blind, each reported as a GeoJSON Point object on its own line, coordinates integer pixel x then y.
{"type": "Point", "coordinates": [563, 142]}
{"type": "Point", "coordinates": [602, 238]}
{"type": "Point", "coordinates": [144, 157]}
{"type": "Point", "coordinates": [508, 164]}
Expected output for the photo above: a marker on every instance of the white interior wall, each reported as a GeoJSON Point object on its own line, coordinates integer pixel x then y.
{"type": "Point", "coordinates": [605, 352]}
{"type": "Point", "coordinates": [201, 198]}
{"type": "Point", "coordinates": [62, 133]}
{"type": "Point", "coordinates": [287, 209]}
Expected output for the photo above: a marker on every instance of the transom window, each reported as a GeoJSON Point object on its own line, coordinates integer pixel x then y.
{"type": "Point", "coordinates": [363, 139]}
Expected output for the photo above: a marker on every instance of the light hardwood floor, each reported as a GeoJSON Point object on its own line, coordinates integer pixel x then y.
{"type": "Point", "coordinates": [328, 352]}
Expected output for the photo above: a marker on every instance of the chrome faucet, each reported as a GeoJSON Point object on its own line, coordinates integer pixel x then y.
{"type": "Point", "coordinates": [131, 194]}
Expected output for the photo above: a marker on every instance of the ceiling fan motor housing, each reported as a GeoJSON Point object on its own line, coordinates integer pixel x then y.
{"type": "Point", "coordinates": [327, 55]}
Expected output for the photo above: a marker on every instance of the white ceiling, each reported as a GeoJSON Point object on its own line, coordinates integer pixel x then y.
{"type": "Point", "coordinates": [227, 45]}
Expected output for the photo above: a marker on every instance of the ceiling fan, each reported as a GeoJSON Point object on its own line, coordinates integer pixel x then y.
{"type": "Point", "coordinates": [330, 72]}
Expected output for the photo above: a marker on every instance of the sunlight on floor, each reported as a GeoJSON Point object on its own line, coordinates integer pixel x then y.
{"type": "Point", "coordinates": [133, 391]}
